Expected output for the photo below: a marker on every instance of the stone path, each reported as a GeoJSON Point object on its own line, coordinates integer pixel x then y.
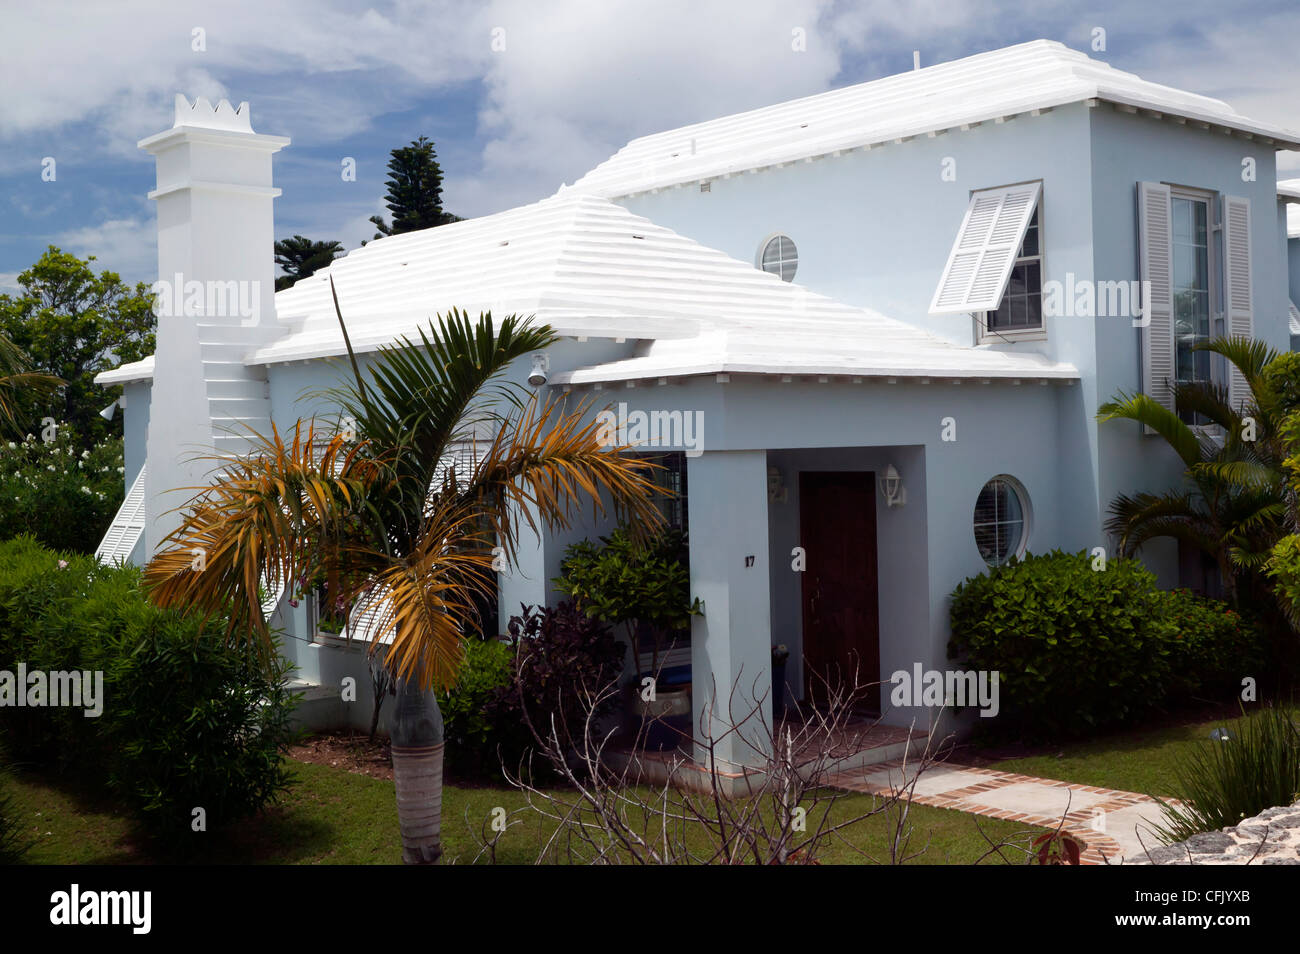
{"type": "Point", "coordinates": [1111, 824]}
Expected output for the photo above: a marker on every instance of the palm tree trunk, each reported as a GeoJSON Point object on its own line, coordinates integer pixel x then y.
{"type": "Point", "coordinates": [417, 746]}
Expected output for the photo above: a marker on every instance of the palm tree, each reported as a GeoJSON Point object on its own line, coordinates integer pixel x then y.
{"type": "Point", "coordinates": [20, 385]}
{"type": "Point", "coordinates": [404, 517]}
{"type": "Point", "coordinates": [1235, 503]}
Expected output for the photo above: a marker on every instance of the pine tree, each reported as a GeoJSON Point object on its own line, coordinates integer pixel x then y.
{"type": "Point", "coordinates": [300, 256]}
{"type": "Point", "coordinates": [414, 191]}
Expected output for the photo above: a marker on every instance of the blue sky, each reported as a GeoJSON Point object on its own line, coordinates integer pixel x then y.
{"type": "Point", "coordinates": [83, 81]}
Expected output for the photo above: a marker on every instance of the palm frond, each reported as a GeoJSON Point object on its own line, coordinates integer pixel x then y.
{"type": "Point", "coordinates": [1144, 409]}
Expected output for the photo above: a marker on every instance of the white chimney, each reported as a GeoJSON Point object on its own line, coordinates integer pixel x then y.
{"type": "Point", "coordinates": [216, 286]}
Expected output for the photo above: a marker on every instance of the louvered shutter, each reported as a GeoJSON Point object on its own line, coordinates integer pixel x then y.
{"type": "Point", "coordinates": [128, 524]}
{"type": "Point", "coordinates": [1155, 266]}
{"type": "Point", "coordinates": [1237, 302]}
{"type": "Point", "coordinates": [980, 263]}
{"type": "Point", "coordinates": [1293, 318]}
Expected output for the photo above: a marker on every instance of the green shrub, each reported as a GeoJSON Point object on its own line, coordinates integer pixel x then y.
{"type": "Point", "coordinates": [189, 720]}
{"type": "Point", "coordinates": [1213, 648]}
{"type": "Point", "coordinates": [1076, 648]}
{"type": "Point", "coordinates": [1223, 781]}
{"type": "Point", "coordinates": [195, 723]}
{"type": "Point", "coordinates": [642, 584]}
{"type": "Point", "coordinates": [473, 725]}
{"type": "Point", "coordinates": [59, 493]}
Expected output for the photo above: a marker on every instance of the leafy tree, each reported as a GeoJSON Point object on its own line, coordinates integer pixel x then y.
{"type": "Point", "coordinates": [300, 256]}
{"type": "Point", "coordinates": [414, 191]}
{"type": "Point", "coordinates": [1233, 505]}
{"type": "Point", "coordinates": [401, 518]}
{"type": "Point", "coordinates": [73, 324]}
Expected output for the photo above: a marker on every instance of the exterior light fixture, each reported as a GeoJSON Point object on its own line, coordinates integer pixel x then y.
{"type": "Point", "coordinates": [108, 412]}
{"type": "Point", "coordinates": [892, 489]}
{"type": "Point", "coordinates": [776, 492]}
{"type": "Point", "coordinates": [541, 369]}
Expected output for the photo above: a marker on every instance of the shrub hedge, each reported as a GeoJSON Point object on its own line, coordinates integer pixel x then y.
{"type": "Point", "coordinates": [188, 720]}
{"type": "Point", "coordinates": [59, 493]}
{"type": "Point", "coordinates": [1078, 648]}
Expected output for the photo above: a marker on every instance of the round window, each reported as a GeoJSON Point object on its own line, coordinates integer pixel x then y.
{"type": "Point", "coordinates": [780, 257]}
{"type": "Point", "coordinates": [1001, 520]}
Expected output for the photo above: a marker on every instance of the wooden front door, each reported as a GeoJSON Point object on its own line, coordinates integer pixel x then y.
{"type": "Point", "coordinates": [841, 619]}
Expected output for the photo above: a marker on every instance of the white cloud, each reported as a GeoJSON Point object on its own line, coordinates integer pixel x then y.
{"type": "Point", "coordinates": [128, 246]}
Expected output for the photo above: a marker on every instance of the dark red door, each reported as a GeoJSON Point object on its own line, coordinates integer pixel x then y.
{"type": "Point", "coordinates": [841, 617]}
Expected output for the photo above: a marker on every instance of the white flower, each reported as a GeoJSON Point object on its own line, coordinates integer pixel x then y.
{"type": "Point", "coordinates": [49, 467]}
{"type": "Point", "coordinates": [85, 490]}
{"type": "Point", "coordinates": [13, 446]}
{"type": "Point", "coordinates": [120, 470]}
{"type": "Point", "coordinates": [85, 454]}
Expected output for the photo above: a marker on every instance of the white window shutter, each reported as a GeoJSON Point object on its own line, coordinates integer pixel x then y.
{"type": "Point", "coordinates": [1237, 304]}
{"type": "Point", "coordinates": [980, 263]}
{"type": "Point", "coordinates": [127, 526]}
{"type": "Point", "coordinates": [1155, 265]}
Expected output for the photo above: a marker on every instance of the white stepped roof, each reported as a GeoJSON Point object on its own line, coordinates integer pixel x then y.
{"type": "Point", "coordinates": [141, 370]}
{"type": "Point", "coordinates": [1037, 75]}
{"type": "Point", "coordinates": [587, 266]}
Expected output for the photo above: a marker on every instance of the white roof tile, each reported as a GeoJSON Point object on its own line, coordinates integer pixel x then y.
{"type": "Point", "coordinates": [586, 266]}
{"type": "Point", "coordinates": [1035, 75]}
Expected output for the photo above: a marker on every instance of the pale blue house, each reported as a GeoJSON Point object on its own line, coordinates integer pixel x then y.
{"type": "Point", "coordinates": [871, 328]}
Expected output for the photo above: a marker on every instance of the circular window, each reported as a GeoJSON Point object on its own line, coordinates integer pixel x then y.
{"type": "Point", "coordinates": [780, 257]}
{"type": "Point", "coordinates": [1001, 520]}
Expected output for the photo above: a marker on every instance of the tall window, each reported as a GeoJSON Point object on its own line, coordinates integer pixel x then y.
{"type": "Point", "coordinates": [1189, 238]}
{"type": "Point", "coordinates": [1021, 308]}
{"type": "Point", "coordinates": [671, 478]}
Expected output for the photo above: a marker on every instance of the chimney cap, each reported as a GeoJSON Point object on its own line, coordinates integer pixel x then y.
{"type": "Point", "coordinates": [205, 116]}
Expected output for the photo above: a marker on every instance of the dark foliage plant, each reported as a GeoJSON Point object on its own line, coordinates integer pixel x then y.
{"type": "Point", "coordinates": [561, 659]}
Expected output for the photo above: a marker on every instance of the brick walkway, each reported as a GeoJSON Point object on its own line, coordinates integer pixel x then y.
{"type": "Point", "coordinates": [1108, 822]}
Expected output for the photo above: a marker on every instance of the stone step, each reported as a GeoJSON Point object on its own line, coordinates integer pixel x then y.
{"type": "Point", "coordinates": [229, 388]}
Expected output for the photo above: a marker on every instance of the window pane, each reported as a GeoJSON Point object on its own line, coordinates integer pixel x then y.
{"type": "Point", "coordinates": [1030, 244]}
{"type": "Point", "coordinates": [999, 522]}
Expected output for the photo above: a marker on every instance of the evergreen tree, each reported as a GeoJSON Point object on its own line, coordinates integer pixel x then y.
{"type": "Point", "coordinates": [300, 256]}
{"type": "Point", "coordinates": [414, 191]}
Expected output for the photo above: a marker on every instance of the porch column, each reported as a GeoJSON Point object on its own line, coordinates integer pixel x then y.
{"type": "Point", "coordinates": [731, 659]}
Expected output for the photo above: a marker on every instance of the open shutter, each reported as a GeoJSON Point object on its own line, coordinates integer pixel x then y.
{"type": "Point", "coordinates": [1155, 265]}
{"type": "Point", "coordinates": [1293, 318]}
{"type": "Point", "coordinates": [1237, 305]}
{"type": "Point", "coordinates": [980, 263]}
{"type": "Point", "coordinates": [127, 526]}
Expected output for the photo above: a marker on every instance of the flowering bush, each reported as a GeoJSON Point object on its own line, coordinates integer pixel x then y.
{"type": "Point", "coordinates": [62, 495]}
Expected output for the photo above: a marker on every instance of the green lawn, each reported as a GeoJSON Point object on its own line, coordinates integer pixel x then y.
{"type": "Point", "coordinates": [332, 816]}
{"type": "Point", "coordinates": [1139, 760]}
